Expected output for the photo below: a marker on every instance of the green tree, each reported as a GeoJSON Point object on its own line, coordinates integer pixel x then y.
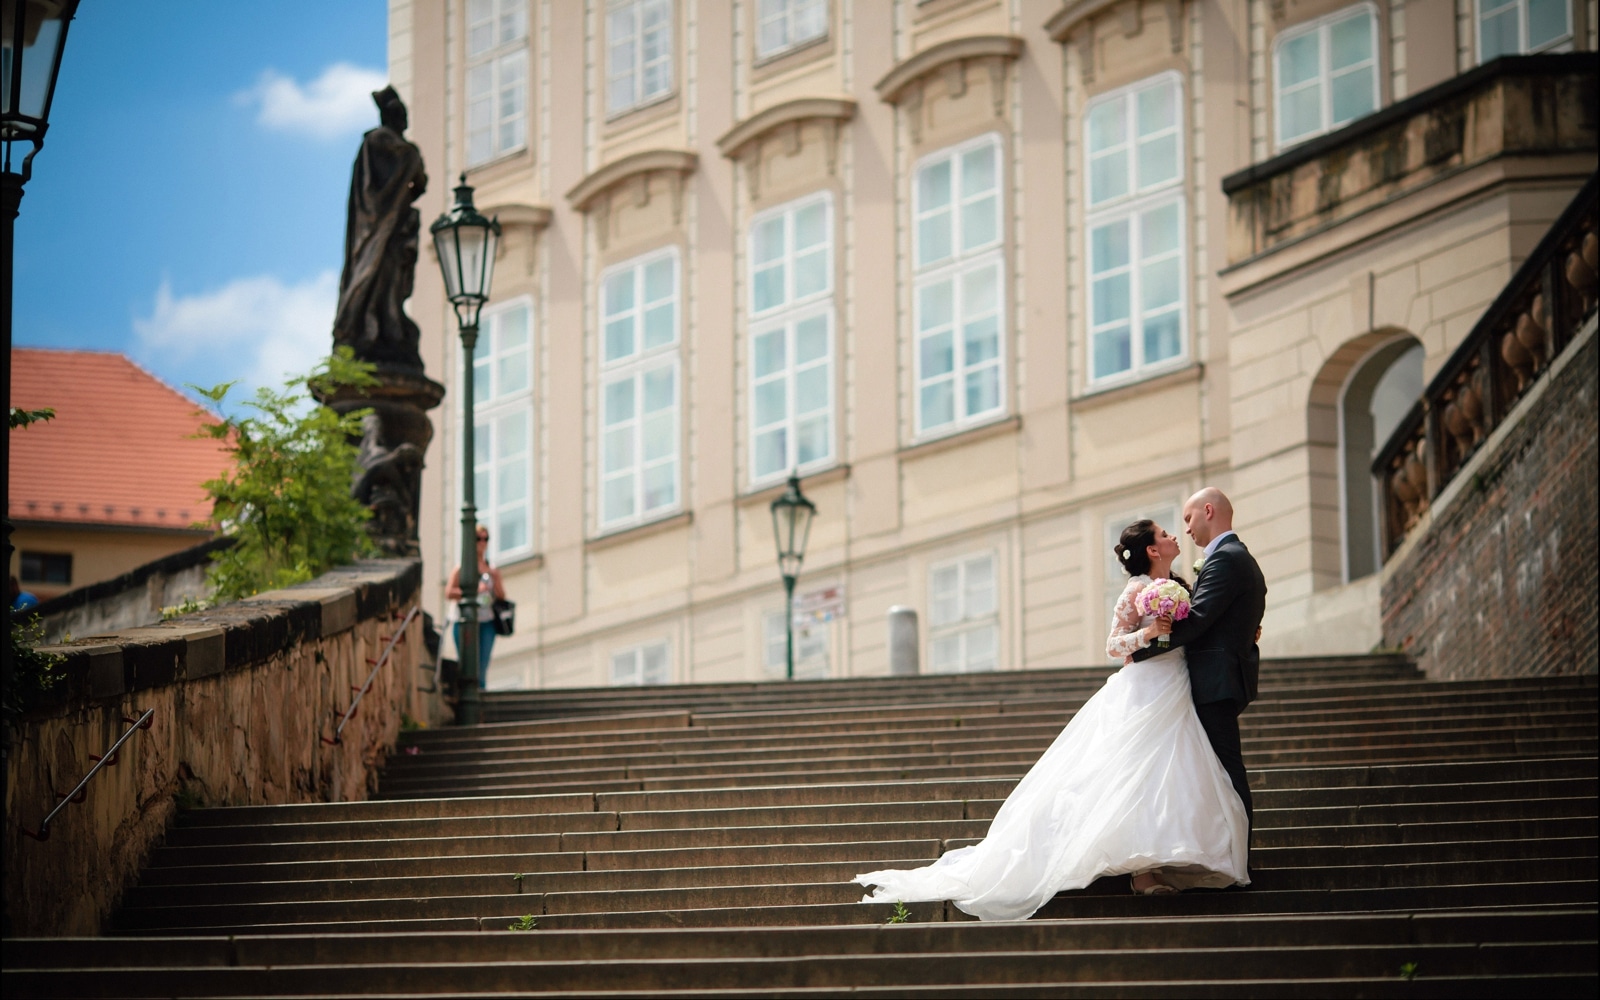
{"type": "Point", "coordinates": [287, 497]}
{"type": "Point", "coordinates": [31, 675]}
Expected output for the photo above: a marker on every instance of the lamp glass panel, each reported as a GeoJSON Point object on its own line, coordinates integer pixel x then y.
{"type": "Point", "coordinates": [40, 53]}
{"type": "Point", "coordinates": [444, 241]}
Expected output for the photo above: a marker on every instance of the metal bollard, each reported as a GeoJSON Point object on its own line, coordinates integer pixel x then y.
{"type": "Point", "coordinates": [902, 641]}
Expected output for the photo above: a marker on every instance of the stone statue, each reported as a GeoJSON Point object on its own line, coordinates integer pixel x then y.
{"type": "Point", "coordinates": [380, 262]}
{"type": "Point", "coordinates": [380, 242]}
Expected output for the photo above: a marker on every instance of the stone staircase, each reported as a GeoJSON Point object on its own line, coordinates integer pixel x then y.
{"type": "Point", "coordinates": [1413, 838]}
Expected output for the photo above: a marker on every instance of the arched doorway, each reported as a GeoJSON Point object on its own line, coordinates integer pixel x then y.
{"type": "Point", "coordinates": [1381, 389]}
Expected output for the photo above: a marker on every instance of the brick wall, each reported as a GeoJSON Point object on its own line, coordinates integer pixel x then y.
{"type": "Point", "coordinates": [1503, 578]}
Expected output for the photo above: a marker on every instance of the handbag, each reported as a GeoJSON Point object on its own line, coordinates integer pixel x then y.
{"type": "Point", "coordinates": [505, 617]}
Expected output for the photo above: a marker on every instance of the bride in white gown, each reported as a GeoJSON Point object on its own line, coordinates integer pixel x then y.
{"type": "Point", "coordinates": [1130, 787]}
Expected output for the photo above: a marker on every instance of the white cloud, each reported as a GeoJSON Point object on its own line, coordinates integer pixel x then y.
{"type": "Point", "coordinates": [253, 330]}
{"type": "Point", "coordinates": [334, 104]}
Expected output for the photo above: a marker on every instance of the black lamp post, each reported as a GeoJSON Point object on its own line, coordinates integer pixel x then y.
{"type": "Point", "coordinates": [466, 242]}
{"type": "Point", "coordinates": [791, 529]}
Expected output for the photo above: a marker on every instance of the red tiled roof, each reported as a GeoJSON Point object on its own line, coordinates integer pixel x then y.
{"type": "Point", "coordinates": [119, 450]}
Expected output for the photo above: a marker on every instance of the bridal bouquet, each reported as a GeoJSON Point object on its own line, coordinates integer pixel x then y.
{"type": "Point", "coordinates": [1164, 597]}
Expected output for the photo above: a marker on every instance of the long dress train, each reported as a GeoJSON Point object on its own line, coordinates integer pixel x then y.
{"type": "Point", "coordinates": [1130, 785]}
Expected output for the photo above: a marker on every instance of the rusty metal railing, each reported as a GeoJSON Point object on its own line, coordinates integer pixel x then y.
{"type": "Point", "coordinates": [396, 639]}
{"type": "Point", "coordinates": [1532, 321]}
{"type": "Point", "coordinates": [109, 759]}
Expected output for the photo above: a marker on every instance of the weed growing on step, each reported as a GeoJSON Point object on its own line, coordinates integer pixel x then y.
{"type": "Point", "coordinates": [526, 922]}
{"type": "Point", "coordinates": [286, 498]}
{"type": "Point", "coordinates": [408, 724]}
{"type": "Point", "coordinates": [1408, 971]}
{"type": "Point", "coordinates": [901, 915]}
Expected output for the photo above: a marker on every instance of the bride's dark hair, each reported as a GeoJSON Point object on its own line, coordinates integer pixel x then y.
{"type": "Point", "coordinates": [1133, 549]}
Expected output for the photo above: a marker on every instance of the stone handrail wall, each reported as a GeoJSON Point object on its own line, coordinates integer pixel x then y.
{"type": "Point", "coordinates": [245, 696]}
{"type": "Point", "coordinates": [134, 598]}
{"type": "Point", "coordinates": [1498, 576]}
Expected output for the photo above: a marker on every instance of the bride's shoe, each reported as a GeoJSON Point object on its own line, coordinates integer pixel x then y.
{"type": "Point", "coordinates": [1153, 885]}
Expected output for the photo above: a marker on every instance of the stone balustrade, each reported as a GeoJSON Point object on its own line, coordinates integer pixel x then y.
{"type": "Point", "coordinates": [246, 699]}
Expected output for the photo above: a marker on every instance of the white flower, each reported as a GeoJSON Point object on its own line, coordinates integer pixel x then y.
{"type": "Point", "coordinates": [1197, 564]}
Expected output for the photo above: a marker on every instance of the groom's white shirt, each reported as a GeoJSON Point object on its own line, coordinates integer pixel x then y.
{"type": "Point", "coordinates": [1211, 546]}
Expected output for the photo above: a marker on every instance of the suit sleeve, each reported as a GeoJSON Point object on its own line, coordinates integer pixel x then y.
{"type": "Point", "coordinates": [1215, 591]}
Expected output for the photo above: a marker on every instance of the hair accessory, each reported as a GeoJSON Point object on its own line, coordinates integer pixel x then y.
{"type": "Point", "coordinates": [1123, 555]}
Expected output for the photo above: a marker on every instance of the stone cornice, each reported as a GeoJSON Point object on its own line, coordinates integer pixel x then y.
{"type": "Point", "coordinates": [535, 217]}
{"type": "Point", "coordinates": [675, 161]}
{"type": "Point", "coordinates": [1072, 14]}
{"type": "Point", "coordinates": [901, 80]}
{"type": "Point", "coordinates": [752, 130]}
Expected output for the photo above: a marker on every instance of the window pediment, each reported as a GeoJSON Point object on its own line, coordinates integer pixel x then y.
{"type": "Point", "coordinates": [904, 80]}
{"type": "Point", "coordinates": [636, 167]}
{"type": "Point", "coordinates": [535, 217]}
{"type": "Point", "coordinates": [751, 132]}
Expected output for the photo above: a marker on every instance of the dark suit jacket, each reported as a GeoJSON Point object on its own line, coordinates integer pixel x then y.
{"type": "Point", "coordinates": [1230, 597]}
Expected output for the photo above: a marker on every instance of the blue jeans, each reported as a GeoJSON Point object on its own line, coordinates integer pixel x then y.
{"type": "Point", "coordinates": [485, 647]}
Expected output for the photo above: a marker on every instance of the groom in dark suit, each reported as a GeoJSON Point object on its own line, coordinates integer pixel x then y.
{"type": "Point", "coordinates": [1230, 595]}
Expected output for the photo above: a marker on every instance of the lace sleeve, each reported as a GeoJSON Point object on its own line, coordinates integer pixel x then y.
{"type": "Point", "coordinates": [1126, 634]}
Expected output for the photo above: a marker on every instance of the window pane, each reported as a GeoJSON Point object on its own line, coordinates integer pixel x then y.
{"type": "Point", "coordinates": [979, 587]}
{"type": "Point", "coordinates": [1353, 96]}
{"type": "Point", "coordinates": [659, 440]}
{"type": "Point", "coordinates": [658, 280]}
{"type": "Point", "coordinates": [625, 668]}
{"type": "Point", "coordinates": [619, 449]}
{"type": "Point", "coordinates": [933, 186]}
{"type": "Point", "coordinates": [936, 305]}
{"type": "Point", "coordinates": [933, 238]}
{"type": "Point", "coordinates": [661, 486]}
{"type": "Point", "coordinates": [1113, 351]}
{"type": "Point", "coordinates": [512, 482]}
{"type": "Point", "coordinates": [1108, 247]}
{"type": "Point", "coordinates": [767, 241]}
{"type": "Point", "coordinates": [511, 373]}
{"type": "Point", "coordinates": [1299, 60]}
{"type": "Point", "coordinates": [938, 355]}
{"type": "Point", "coordinates": [619, 292]}
{"type": "Point", "coordinates": [980, 223]}
{"type": "Point", "coordinates": [618, 498]}
{"type": "Point", "coordinates": [511, 432]}
{"type": "Point", "coordinates": [619, 338]}
{"type": "Point", "coordinates": [1350, 41]}
{"type": "Point", "coordinates": [981, 644]}
{"type": "Point", "coordinates": [619, 401]}
{"type": "Point", "coordinates": [1107, 126]}
{"type": "Point", "coordinates": [771, 452]}
{"type": "Point", "coordinates": [980, 340]}
{"type": "Point", "coordinates": [1547, 21]}
{"type": "Point", "coordinates": [977, 171]}
{"type": "Point", "coordinates": [511, 530]}
{"type": "Point", "coordinates": [482, 389]}
{"type": "Point", "coordinates": [1110, 297]}
{"type": "Point", "coordinates": [1159, 284]}
{"type": "Point", "coordinates": [480, 27]}
{"type": "Point", "coordinates": [808, 19]}
{"type": "Point", "coordinates": [769, 354]}
{"type": "Point", "coordinates": [810, 339]}
{"type": "Point", "coordinates": [660, 325]}
{"type": "Point", "coordinates": [938, 404]}
{"type": "Point", "coordinates": [772, 36]}
{"type": "Point", "coordinates": [1300, 113]}
{"type": "Point", "coordinates": [511, 329]}
{"type": "Point", "coordinates": [944, 595]}
{"type": "Point", "coordinates": [660, 389]}
{"type": "Point", "coordinates": [811, 274]}
{"type": "Point", "coordinates": [1158, 160]}
{"type": "Point", "coordinates": [1499, 35]}
{"type": "Point", "coordinates": [811, 440]}
{"type": "Point", "coordinates": [768, 288]}
{"type": "Point", "coordinates": [771, 402]}
{"type": "Point", "coordinates": [983, 390]}
{"type": "Point", "coordinates": [1108, 176]}
{"type": "Point", "coordinates": [1158, 231]}
{"type": "Point", "coordinates": [810, 226]}
{"type": "Point", "coordinates": [944, 655]}
{"type": "Point", "coordinates": [811, 390]}
{"type": "Point", "coordinates": [1161, 337]}
{"type": "Point", "coordinates": [1157, 108]}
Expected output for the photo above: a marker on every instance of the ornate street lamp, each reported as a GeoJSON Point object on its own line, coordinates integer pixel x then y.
{"type": "Point", "coordinates": [466, 242]}
{"type": "Point", "coordinates": [791, 529]}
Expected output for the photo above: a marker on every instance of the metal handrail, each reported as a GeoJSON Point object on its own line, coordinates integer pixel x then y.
{"type": "Point", "coordinates": [377, 665]}
{"type": "Point", "coordinates": [109, 759]}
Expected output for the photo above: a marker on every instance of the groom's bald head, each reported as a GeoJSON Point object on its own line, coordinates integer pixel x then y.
{"type": "Point", "coordinates": [1207, 514]}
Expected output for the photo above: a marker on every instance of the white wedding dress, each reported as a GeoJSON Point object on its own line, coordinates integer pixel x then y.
{"type": "Point", "coordinates": [1130, 785]}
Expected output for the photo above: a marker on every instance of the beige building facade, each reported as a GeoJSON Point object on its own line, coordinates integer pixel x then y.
{"type": "Point", "coordinates": [970, 268]}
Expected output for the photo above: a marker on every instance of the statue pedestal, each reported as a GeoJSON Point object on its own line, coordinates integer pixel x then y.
{"type": "Point", "coordinates": [394, 441]}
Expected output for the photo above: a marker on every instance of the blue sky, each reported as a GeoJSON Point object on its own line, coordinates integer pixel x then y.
{"type": "Point", "coordinates": [188, 206]}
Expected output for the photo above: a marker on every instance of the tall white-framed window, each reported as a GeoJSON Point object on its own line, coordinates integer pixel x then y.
{"type": "Point", "coordinates": [649, 663]}
{"type": "Point", "coordinates": [640, 415]}
{"type": "Point", "coordinates": [810, 648]}
{"type": "Point", "coordinates": [1133, 147]}
{"type": "Point", "coordinates": [963, 615]}
{"type": "Point", "coordinates": [1325, 73]}
{"type": "Point", "coordinates": [638, 53]}
{"type": "Point", "coordinates": [791, 338]}
{"type": "Point", "coordinates": [782, 25]}
{"type": "Point", "coordinates": [497, 78]}
{"type": "Point", "coordinates": [502, 372]}
{"type": "Point", "coordinates": [1116, 577]}
{"type": "Point", "coordinates": [958, 306]}
{"type": "Point", "coordinates": [1513, 27]}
